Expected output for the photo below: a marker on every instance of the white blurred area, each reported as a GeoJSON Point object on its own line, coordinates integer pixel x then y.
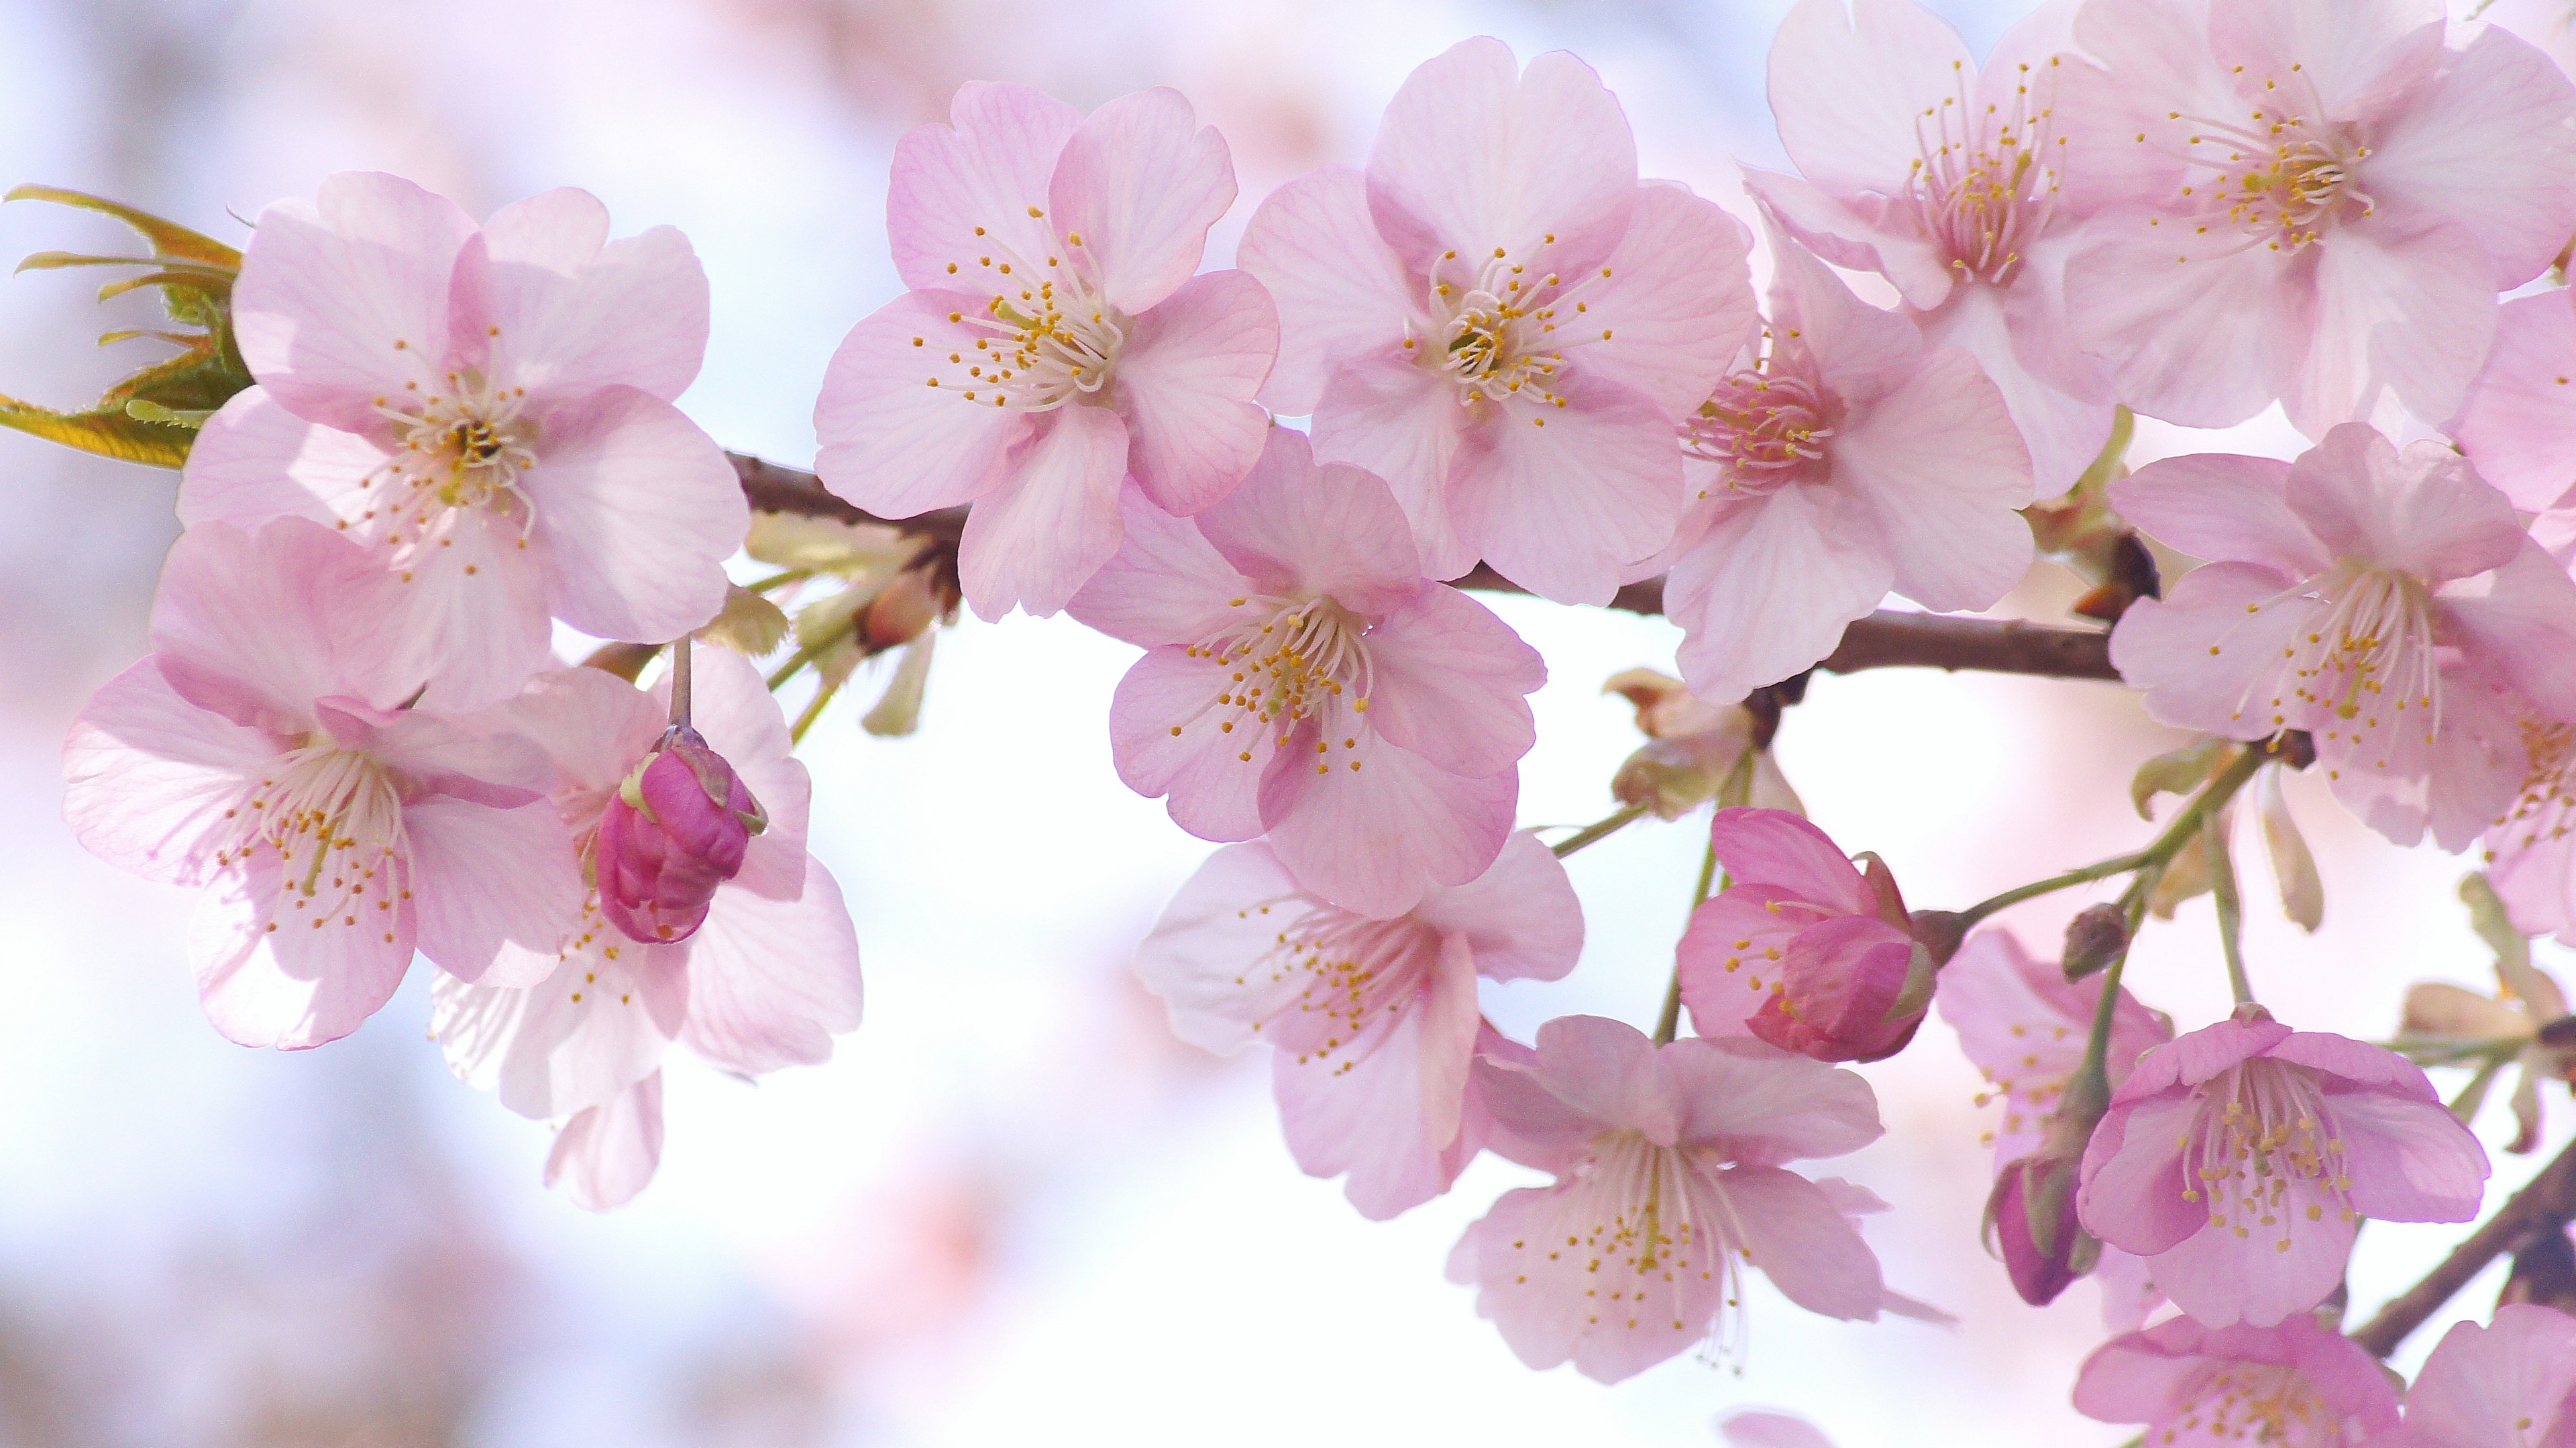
{"type": "Point", "coordinates": [1013, 1209]}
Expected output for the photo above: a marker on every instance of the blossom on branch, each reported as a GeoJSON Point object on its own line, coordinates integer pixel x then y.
{"type": "Point", "coordinates": [1304, 680]}
{"type": "Point", "coordinates": [1055, 342]}
{"type": "Point", "coordinates": [2296, 1384]}
{"type": "Point", "coordinates": [1374, 1022]}
{"type": "Point", "coordinates": [1671, 1186]}
{"type": "Point", "coordinates": [1844, 459]}
{"type": "Point", "coordinates": [1500, 320]}
{"type": "Point", "coordinates": [2023, 1024]}
{"type": "Point", "coordinates": [490, 409]}
{"type": "Point", "coordinates": [260, 753]}
{"type": "Point", "coordinates": [2240, 1159]}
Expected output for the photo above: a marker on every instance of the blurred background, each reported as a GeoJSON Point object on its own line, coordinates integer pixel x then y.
{"type": "Point", "coordinates": [1013, 1208]}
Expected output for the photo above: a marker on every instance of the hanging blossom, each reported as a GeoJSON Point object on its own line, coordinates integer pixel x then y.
{"type": "Point", "coordinates": [2315, 202]}
{"type": "Point", "coordinates": [1304, 680]}
{"type": "Point", "coordinates": [260, 753]}
{"type": "Point", "coordinates": [1374, 1023]}
{"type": "Point", "coordinates": [1845, 459]}
{"type": "Point", "coordinates": [490, 410]}
{"type": "Point", "coordinates": [1500, 320]}
{"type": "Point", "coordinates": [2024, 1025]}
{"type": "Point", "coordinates": [2297, 1384]}
{"type": "Point", "coordinates": [1951, 181]}
{"type": "Point", "coordinates": [1054, 341]}
{"type": "Point", "coordinates": [765, 982]}
{"type": "Point", "coordinates": [2388, 603]}
{"type": "Point", "coordinates": [1671, 1186]}
{"type": "Point", "coordinates": [2240, 1159]}
{"type": "Point", "coordinates": [2507, 1384]}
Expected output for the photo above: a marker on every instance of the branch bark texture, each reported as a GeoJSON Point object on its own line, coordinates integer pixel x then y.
{"type": "Point", "coordinates": [1884, 640]}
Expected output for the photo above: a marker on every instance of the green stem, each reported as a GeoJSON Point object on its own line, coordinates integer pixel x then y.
{"type": "Point", "coordinates": [2178, 831]}
{"type": "Point", "coordinates": [813, 711]}
{"type": "Point", "coordinates": [1599, 829]}
{"type": "Point", "coordinates": [779, 580]}
{"type": "Point", "coordinates": [1670, 1022]}
{"type": "Point", "coordinates": [808, 652]}
{"type": "Point", "coordinates": [2231, 908]}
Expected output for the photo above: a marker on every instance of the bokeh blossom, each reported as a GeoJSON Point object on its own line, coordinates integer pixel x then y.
{"type": "Point", "coordinates": [2504, 1384]}
{"type": "Point", "coordinates": [1374, 1023]}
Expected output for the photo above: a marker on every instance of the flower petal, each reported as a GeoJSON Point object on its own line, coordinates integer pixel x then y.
{"type": "Point", "coordinates": [1185, 383]}
{"type": "Point", "coordinates": [893, 444]}
{"type": "Point", "coordinates": [2518, 422]}
{"type": "Point", "coordinates": [772, 981]}
{"type": "Point", "coordinates": [1448, 680]}
{"type": "Point", "coordinates": [1560, 498]}
{"type": "Point", "coordinates": [1140, 181]}
{"type": "Point", "coordinates": [1332, 531]}
{"type": "Point", "coordinates": [150, 780]}
{"type": "Point", "coordinates": [1039, 537]}
{"type": "Point", "coordinates": [2221, 506]}
{"type": "Point", "coordinates": [576, 312]}
{"type": "Point", "coordinates": [607, 1154]}
{"type": "Point", "coordinates": [1169, 737]}
{"type": "Point", "coordinates": [1521, 917]}
{"type": "Point", "coordinates": [1340, 289]}
{"type": "Point", "coordinates": [270, 976]}
{"type": "Point", "coordinates": [637, 510]}
{"type": "Point", "coordinates": [1372, 825]}
{"type": "Point", "coordinates": [972, 186]}
{"type": "Point", "coordinates": [1385, 1110]}
{"type": "Point", "coordinates": [1769, 589]}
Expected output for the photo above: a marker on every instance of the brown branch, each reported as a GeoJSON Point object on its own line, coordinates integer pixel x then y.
{"type": "Point", "coordinates": [2545, 1204]}
{"type": "Point", "coordinates": [1884, 640]}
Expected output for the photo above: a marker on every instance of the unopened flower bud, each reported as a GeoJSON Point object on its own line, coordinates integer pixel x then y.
{"type": "Point", "coordinates": [2030, 1218]}
{"type": "Point", "coordinates": [2098, 935]}
{"type": "Point", "coordinates": [675, 830]}
{"type": "Point", "coordinates": [1692, 749]}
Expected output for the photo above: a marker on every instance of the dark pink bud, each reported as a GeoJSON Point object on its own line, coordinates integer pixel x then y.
{"type": "Point", "coordinates": [675, 830]}
{"type": "Point", "coordinates": [2031, 1217]}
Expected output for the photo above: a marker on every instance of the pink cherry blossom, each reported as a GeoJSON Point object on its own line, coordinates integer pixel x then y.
{"type": "Point", "coordinates": [491, 409]}
{"type": "Point", "coordinates": [1848, 459]}
{"type": "Point", "coordinates": [767, 981]}
{"type": "Point", "coordinates": [1949, 181]}
{"type": "Point", "coordinates": [2307, 201]}
{"type": "Point", "coordinates": [1054, 342]}
{"type": "Point", "coordinates": [1374, 1022]}
{"type": "Point", "coordinates": [2388, 603]}
{"type": "Point", "coordinates": [2531, 851]}
{"type": "Point", "coordinates": [1801, 948]}
{"type": "Point", "coordinates": [2295, 1384]}
{"type": "Point", "coordinates": [1671, 1185]}
{"type": "Point", "coordinates": [2518, 423]}
{"type": "Point", "coordinates": [1305, 680]}
{"type": "Point", "coordinates": [2504, 1385]}
{"type": "Point", "coordinates": [2239, 1160]}
{"type": "Point", "coordinates": [2023, 1024]}
{"type": "Point", "coordinates": [1759, 1429]}
{"type": "Point", "coordinates": [1502, 322]}
{"type": "Point", "coordinates": [260, 754]}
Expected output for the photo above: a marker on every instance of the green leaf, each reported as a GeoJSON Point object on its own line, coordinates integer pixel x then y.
{"type": "Point", "coordinates": [2179, 772]}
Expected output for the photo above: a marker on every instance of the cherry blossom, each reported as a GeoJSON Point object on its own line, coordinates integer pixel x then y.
{"type": "Point", "coordinates": [1671, 1185]}
{"type": "Point", "coordinates": [2388, 603]}
{"type": "Point", "coordinates": [1375, 1022]}
{"type": "Point", "coordinates": [1801, 948]}
{"type": "Point", "coordinates": [2023, 1024]}
{"type": "Point", "coordinates": [2502, 1385]}
{"type": "Point", "coordinates": [1500, 320]}
{"type": "Point", "coordinates": [1949, 180]}
{"type": "Point", "coordinates": [2314, 202]}
{"type": "Point", "coordinates": [1054, 342]}
{"type": "Point", "coordinates": [490, 408]}
{"type": "Point", "coordinates": [2239, 1160]}
{"type": "Point", "coordinates": [766, 982]}
{"type": "Point", "coordinates": [2518, 423]}
{"type": "Point", "coordinates": [1303, 679]}
{"type": "Point", "coordinates": [2532, 848]}
{"type": "Point", "coordinates": [259, 754]}
{"type": "Point", "coordinates": [2294, 1384]}
{"type": "Point", "coordinates": [673, 833]}
{"type": "Point", "coordinates": [1846, 459]}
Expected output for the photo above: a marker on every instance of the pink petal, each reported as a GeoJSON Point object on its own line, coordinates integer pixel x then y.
{"type": "Point", "coordinates": [1859, 352]}
{"type": "Point", "coordinates": [772, 981]}
{"type": "Point", "coordinates": [1771, 1430]}
{"type": "Point", "coordinates": [1448, 680]}
{"type": "Point", "coordinates": [1803, 1244]}
{"type": "Point", "coordinates": [2064, 432]}
{"type": "Point", "coordinates": [1039, 537]}
{"type": "Point", "coordinates": [272, 976]}
{"type": "Point", "coordinates": [1729, 956]}
{"type": "Point", "coordinates": [1306, 531]}
{"type": "Point", "coordinates": [2222, 506]}
{"type": "Point", "coordinates": [254, 461]}
{"type": "Point", "coordinates": [2518, 423]}
{"type": "Point", "coordinates": [578, 312]}
{"type": "Point", "coordinates": [1942, 466]}
{"type": "Point", "coordinates": [2351, 55]}
{"type": "Point", "coordinates": [1774, 847]}
{"type": "Point", "coordinates": [893, 444]}
{"type": "Point", "coordinates": [1167, 735]}
{"type": "Point", "coordinates": [573, 1040]}
{"type": "Point", "coordinates": [1849, 94]}
{"type": "Point", "coordinates": [1610, 1072]}
{"type": "Point", "coordinates": [1340, 289]}
{"type": "Point", "coordinates": [1756, 1102]}
{"type": "Point", "coordinates": [1520, 918]}
{"type": "Point", "coordinates": [2200, 328]}
{"type": "Point", "coordinates": [2410, 1161]}
{"type": "Point", "coordinates": [151, 781]}
{"type": "Point", "coordinates": [1475, 154]}
{"type": "Point", "coordinates": [1544, 1297]}
{"type": "Point", "coordinates": [1374, 825]}
{"type": "Point", "coordinates": [607, 1154]}
{"type": "Point", "coordinates": [1678, 304]}
{"type": "Point", "coordinates": [1403, 423]}
{"type": "Point", "coordinates": [258, 625]}
{"type": "Point", "coordinates": [2409, 310]}
{"type": "Point", "coordinates": [1201, 955]}
{"type": "Point", "coordinates": [1855, 231]}
{"type": "Point", "coordinates": [1140, 182]}
{"type": "Point", "coordinates": [2489, 139]}
{"type": "Point", "coordinates": [636, 510]}
{"type": "Point", "coordinates": [1185, 383]}
{"type": "Point", "coordinates": [1166, 584]}
{"type": "Point", "coordinates": [1385, 1110]}
{"type": "Point", "coordinates": [344, 298]}
{"type": "Point", "coordinates": [2521, 618]}
{"type": "Point", "coordinates": [2496, 1383]}
{"type": "Point", "coordinates": [1559, 499]}
{"type": "Point", "coordinates": [2222, 1279]}
{"type": "Point", "coordinates": [483, 877]}
{"type": "Point", "coordinates": [2209, 654]}
{"type": "Point", "coordinates": [2425, 511]}
{"type": "Point", "coordinates": [2132, 1196]}
{"type": "Point", "coordinates": [1768, 590]}
{"type": "Point", "coordinates": [967, 189]}
{"type": "Point", "coordinates": [468, 615]}
{"type": "Point", "coordinates": [1524, 1120]}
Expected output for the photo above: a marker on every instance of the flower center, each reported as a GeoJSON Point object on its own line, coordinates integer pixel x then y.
{"type": "Point", "coordinates": [1494, 327]}
{"type": "Point", "coordinates": [2263, 1403]}
{"type": "Point", "coordinates": [1048, 338]}
{"type": "Point", "coordinates": [1985, 184]}
{"type": "Point", "coordinates": [1360, 975]}
{"type": "Point", "coordinates": [1765, 427]}
{"type": "Point", "coordinates": [1290, 659]}
{"type": "Point", "coordinates": [465, 447]}
{"type": "Point", "coordinates": [2370, 658]}
{"type": "Point", "coordinates": [2283, 174]}
{"type": "Point", "coordinates": [2546, 808]}
{"type": "Point", "coordinates": [334, 820]}
{"type": "Point", "coordinates": [1644, 1221]}
{"type": "Point", "coordinates": [2262, 1152]}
